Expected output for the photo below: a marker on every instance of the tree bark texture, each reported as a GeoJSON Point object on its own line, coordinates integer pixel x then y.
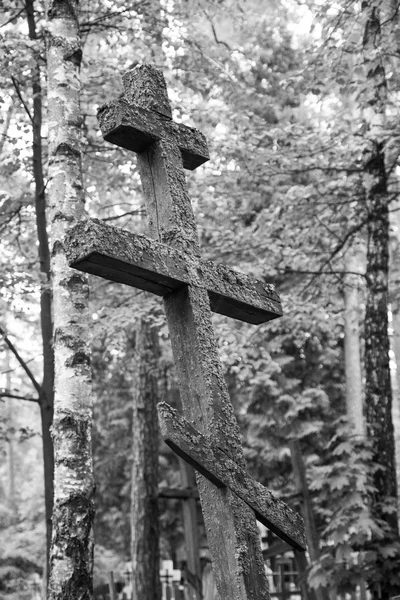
{"type": "Point", "coordinates": [46, 395]}
{"type": "Point", "coordinates": [378, 392]}
{"type": "Point", "coordinates": [145, 443]}
{"type": "Point", "coordinates": [378, 385]}
{"type": "Point", "coordinates": [312, 536]}
{"type": "Point", "coordinates": [394, 285]}
{"type": "Point", "coordinates": [190, 527]}
{"type": "Point", "coordinates": [12, 496]}
{"type": "Point", "coordinates": [72, 546]}
{"type": "Point", "coordinates": [394, 259]}
{"type": "Point", "coordinates": [352, 350]}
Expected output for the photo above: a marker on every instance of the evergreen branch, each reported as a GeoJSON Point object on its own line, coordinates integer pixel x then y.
{"type": "Point", "coordinates": [17, 89]}
{"type": "Point", "coordinates": [21, 361]}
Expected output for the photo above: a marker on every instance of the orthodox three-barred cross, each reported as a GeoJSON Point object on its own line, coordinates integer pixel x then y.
{"type": "Point", "coordinates": [207, 436]}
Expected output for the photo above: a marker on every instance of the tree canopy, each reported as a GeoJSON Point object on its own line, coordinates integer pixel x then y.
{"type": "Point", "coordinates": [299, 102]}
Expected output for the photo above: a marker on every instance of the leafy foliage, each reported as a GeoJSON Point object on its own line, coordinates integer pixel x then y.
{"type": "Point", "coordinates": [283, 198]}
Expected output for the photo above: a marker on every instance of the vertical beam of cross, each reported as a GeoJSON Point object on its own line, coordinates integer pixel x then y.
{"type": "Point", "coordinates": [208, 437]}
{"type": "Point", "coordinates": [231, 526]}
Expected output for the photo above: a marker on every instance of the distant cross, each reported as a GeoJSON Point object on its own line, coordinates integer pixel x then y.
{"type": "Point", "coordinates": [207, 436]}
{"type": "Point", "coordinates": [167, 572]}
{"type": "Point", "coordinates": [169, 576]}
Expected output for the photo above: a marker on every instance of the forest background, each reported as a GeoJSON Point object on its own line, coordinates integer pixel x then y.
{"type": "Point", "coordinates": [299, 102]}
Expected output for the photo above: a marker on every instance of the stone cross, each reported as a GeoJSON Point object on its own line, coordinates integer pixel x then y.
{"type": "Point", "coordinates": [170, 265]}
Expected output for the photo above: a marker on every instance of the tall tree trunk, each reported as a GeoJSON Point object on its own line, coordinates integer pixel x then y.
{"type": "Point", "coordinates": [394, 286]}
{"type": "Point", "coordinates": [393, 18]}
{"type": "Point", "coordinates": [352, 351]}
{"type": "Point", "coordinates": [6, 125]}
{"type": "Point", "coordinates": [378, 393]}
{"type": "Point", "coordinates": [72, 544]}
{"type": "Point", "coordinates": [313, 541]}
{"type": "Point", "coordinates": [12, 497]}
{"type": "Point", "coordinates": [46, 396]}
{"type": "Point", "coordinates": [144, 497]}
{"type": "Point", "coordinates": [189, 508]}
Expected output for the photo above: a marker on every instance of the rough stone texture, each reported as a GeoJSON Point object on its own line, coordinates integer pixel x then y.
{"type": "Point", "coordinates": [138, 261]}
{"type": "Point", "coordinates": [209, 460]}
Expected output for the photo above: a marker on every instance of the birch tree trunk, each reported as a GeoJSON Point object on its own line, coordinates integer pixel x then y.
{"type": "Point", "coordinates": [144, 496]}
{"type": "Point", "coordinates": [72, 547]}
{"type": "Point", "coordinates": [352, 350]}
{"type": "Point", "coordinates": [394, 258]}
{"type": "Point", "coordinates": [378, 386]}
{"type": "Point", "coordinates": [378, 392]}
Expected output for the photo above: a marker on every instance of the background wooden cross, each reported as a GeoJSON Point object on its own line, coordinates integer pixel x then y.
{"type": "Point", "coordinates": [208, 435]}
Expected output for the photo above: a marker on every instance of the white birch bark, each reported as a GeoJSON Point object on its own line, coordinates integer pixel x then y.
{"type": "Point", "coordinates": [352, 350]}
{"type": "Point", "coordinates": [71, 551]}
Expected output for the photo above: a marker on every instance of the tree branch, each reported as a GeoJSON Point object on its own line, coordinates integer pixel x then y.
{"type": "Point", "coordinates": [11, 19]}
{"type": "Point", "coordinates": [221, 42]}
{"type": "Point", "coordinates": [140, 211]}
{"type": "Point", "coordinates": [21, 361]}
{"type": "Point", "coordinates": [7, 394]}
{"type": "Point", "coordinates": [320, 272]}
{"type": "Point", "coordinates": [337, 249]}
{"type": "Point", "coordinates": [17, 89]}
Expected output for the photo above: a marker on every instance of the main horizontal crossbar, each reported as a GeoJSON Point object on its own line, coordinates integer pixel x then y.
{"type": "Point", "coordinates": [215, 465]}
{"type": "Point", "coordinates": [135, 260]}
{"type": "Point", "coordinates": [136, 128]}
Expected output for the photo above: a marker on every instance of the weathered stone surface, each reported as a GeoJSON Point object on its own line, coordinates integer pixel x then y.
{"type": "Point", "coordinates": [136, 128]}
{"type": "Point", "coordinates": [121, 256]}
{"type": "Point", "coordinates": [222, 471]}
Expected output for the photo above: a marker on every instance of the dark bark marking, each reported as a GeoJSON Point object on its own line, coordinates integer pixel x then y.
{"type": "Point", "coordinates": [79, 358]}
{"type": "Point", "coordinates": [65, 149]}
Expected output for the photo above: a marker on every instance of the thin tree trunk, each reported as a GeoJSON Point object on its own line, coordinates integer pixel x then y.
{"type": "Point", "coordinates": [72, 544]}
{"type": "Point", "coordinates": [189, 508]}
{"type": "Point", "coordinates": [144, 506]}
{"type": "Point", "coordinates": [394, 285]}
{"type": "Point", "coordinates": [6, 125]}
{"type": "Point", "coordinates": [352, 351]}
{"type": "Point", "coordinates": [46, 396]}
{"type": "Point", "coordinates": [313, 541]}
{"type": "Point", "coordinates": [378, 392]}
{"type": "Point", "coordinates": [393, 18]}
{"type": "Point", "coordinates": [12, 498]}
